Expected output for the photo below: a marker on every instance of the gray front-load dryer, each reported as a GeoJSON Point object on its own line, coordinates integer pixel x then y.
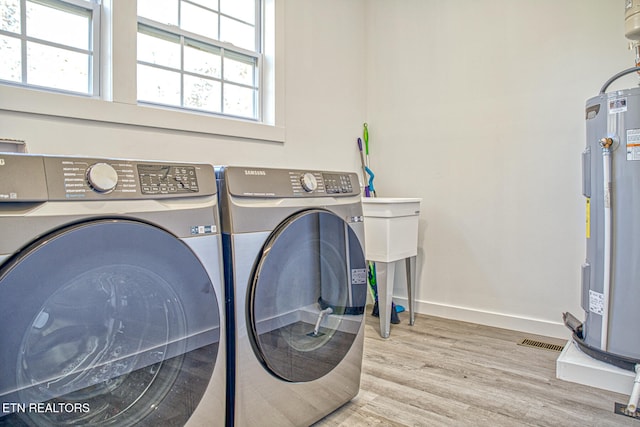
{"type": "Point", "coordinates": [296, 284]}
{"type": "Point", "coordinates": [111, 293]}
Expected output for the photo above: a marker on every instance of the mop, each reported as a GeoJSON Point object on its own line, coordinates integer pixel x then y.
{"type": "Point", "coordinates": [369, 191]}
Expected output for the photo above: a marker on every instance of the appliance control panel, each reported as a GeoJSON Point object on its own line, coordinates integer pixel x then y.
{"type": "Point", "coordinates": [40, 178]}
{"type": "Point", "coordinates": [167, 179]}
{"type": "Point", "coordinates": [265, 182]}
{"type": "Point", "coordinates": [337, 183]}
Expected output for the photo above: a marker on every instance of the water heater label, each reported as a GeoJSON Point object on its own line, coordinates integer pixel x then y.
{"type": "Point", "coordinates": [618, 105]}
{"type": "Point", "coordinates": [588, 217]}
{"type": "Point", "coordinates": [633, 144]}
{"type": "Point", "coordinates": [596, 302]}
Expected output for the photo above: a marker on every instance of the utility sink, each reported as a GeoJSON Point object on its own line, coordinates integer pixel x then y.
{"type": "Point", "coordinates": [390, 227]}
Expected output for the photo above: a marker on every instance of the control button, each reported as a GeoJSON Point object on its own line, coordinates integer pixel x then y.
{"type": "Point", "coordinates": [309, 182]}
{"type": "Point", "coordinates": [102, 177]}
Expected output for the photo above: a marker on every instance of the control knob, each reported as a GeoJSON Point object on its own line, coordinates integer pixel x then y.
{"type": "Point", "coordinates": [102, 177]}
{"type": "Point", "coordinates": [308, 182]}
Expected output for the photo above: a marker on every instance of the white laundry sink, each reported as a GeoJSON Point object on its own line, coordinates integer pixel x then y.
{"type": "Point", "coordinates": [390, 227]}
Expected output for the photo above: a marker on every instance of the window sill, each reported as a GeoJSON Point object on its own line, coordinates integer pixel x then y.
{"type": "Point", "coordinates": [25, 100]}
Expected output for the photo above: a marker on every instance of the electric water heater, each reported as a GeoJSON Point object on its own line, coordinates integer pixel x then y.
{"type": "Point", "coordinates": [611, 187]}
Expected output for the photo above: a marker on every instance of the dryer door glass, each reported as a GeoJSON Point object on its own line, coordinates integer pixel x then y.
{"type": "Point", "coordinates": [106, 323]}
{"type": "Point", "coordinates": [308, 295]}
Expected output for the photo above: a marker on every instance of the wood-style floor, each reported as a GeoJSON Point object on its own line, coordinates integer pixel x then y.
{"type": "Point", "coordinates": [447, 373]}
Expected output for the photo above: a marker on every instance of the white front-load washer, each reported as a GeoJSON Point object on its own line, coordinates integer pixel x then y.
{"type": "Point", "coordinates": [111, 293]}
{"type": "Point", "coordinates": [296, 283]}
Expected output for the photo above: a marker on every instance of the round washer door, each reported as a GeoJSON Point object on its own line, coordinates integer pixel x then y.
{"type": "Point", "coordinates": [307, 298]}
{"type": "Point", "coordinates": [105, 323]}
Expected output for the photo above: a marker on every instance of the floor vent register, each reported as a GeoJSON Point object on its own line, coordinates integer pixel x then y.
{"type": "Point", "coordinates": [527, 342]}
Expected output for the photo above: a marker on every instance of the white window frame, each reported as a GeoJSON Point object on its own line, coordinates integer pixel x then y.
{"type": "Point", "coordinates": [93, 86]}
{"type": "Point", "coordinates": [118, 104]}
{"type": "Point", "coordinates": [225, 49]}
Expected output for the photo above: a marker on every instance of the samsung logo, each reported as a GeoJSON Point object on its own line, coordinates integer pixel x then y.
{"type": "Point", "coordinates": [253, 172]}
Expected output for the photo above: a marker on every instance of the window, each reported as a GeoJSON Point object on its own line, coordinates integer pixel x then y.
{"type": "Point", "coordinates": [211, 70]}
{"type": "Point", "coordinates": [201, 55]}
{"type": "Point", "coordinates": [50, 44]}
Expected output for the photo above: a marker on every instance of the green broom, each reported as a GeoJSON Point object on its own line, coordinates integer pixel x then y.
{"type": "Point", "coordinates": [370, 191]}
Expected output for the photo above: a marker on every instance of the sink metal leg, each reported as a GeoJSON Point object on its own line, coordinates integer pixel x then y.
{"type": "Point", "coordinates": [385, 295]}
{"type": "Point", "coordinates": [385, 275]}
{"type": "Point", "coordinates": [410, 265]}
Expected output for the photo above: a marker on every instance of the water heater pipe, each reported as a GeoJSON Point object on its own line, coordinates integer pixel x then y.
{"type": "Point", "coordinates": [632, 406]}
{"type": "Point", "coordinates": [617, 76]}
{"type": "Point", "coordinates": [606, 144]}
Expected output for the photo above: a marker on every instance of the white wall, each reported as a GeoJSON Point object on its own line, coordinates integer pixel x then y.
{"type": "Point", "coordinates": [475, 106]}
{"type": "Point", "coordinates": [478, 108]}
{"type": "Point", "coordinates": [324, 102]}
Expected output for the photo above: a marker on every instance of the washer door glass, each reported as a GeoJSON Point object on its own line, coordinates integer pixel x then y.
{"type": "Point", "coordinates": [308, 295]}
{"type": "Point", "coordinates": [105, 323]}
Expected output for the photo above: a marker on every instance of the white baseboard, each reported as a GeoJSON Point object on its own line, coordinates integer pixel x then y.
{"type": "Point", "coordinates": [498, 320]}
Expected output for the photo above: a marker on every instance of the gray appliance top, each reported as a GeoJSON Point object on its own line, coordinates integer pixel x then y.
{"type": "Point", "coordinates": [36, 178]}
{"type": "Point", "coordinates": [282, 183]}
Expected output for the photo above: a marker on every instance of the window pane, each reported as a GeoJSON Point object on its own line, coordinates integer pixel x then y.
{"type": "Point", "coordinates": [159, 48]}
{"type": "Point", "coordinates": [202, 94]}
{"type": "Point", "coordinates": [58, 26]}
{"type": "Point", "coordinates": [239, 69]}
{"type": "Point", "coordinates": [10, 15]}
{"type": "Point", "coordinates": [205, 73]}
{"type": "Point", "coordinates": [163, 11]}
{"type": "Point", "coordinates": [238, 101]}
{"type": "Point", "coordinates": [198, 20]}
{"type": "Point", "coordinates": [211, 4]}
{"type": "Point", "coordinates": [57, 68]}
{"type": "Point", "coordinates": [160, 86]}
{"type": "Point", "coordinates": [202, 59]}
{"type": "Point", "coordinates": [10, 59]}
{"type": "Point", "coordinates": [237, 33]}
{"type": "Point", "coordinates": [244, 10]}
